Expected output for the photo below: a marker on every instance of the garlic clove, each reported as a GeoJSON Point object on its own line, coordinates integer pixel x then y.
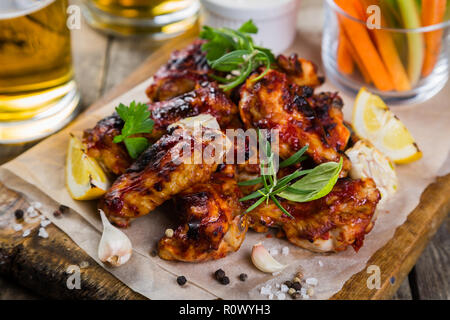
{"type": "Point", "coordinates": [262, 260]}
{"type": "Point", "coordinates": [115, 247]}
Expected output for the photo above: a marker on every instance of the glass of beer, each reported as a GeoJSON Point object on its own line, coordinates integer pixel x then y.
{"type": "Point", "coordinates": [159, 19]}
{"type": "Point", "coordinates": [38, 95]}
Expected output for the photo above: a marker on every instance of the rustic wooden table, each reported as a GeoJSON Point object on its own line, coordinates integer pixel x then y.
{"type": "Point", "coordinates": [101, 62]}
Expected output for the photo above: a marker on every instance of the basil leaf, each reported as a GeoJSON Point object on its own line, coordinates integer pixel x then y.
{"type": "Point", "coordinates": [136, 146]}
{"type": "Point", "coordinates": [317, 184]}
{"type": "Point", "coordinates": [294, 158]}
{"type": "Point", "coordinates": [248, 27]}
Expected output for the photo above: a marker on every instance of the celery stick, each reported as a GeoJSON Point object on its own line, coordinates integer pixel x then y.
{"type": "Point", "coordinates": [416, 46]}
{"type": "Point", "coordinates": [392, 17]}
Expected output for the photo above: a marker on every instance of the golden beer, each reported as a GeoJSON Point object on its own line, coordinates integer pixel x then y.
{"type": "Point", "coordinates": [37, 92]}
{"type": "Point", "coordinates": [157, 18]}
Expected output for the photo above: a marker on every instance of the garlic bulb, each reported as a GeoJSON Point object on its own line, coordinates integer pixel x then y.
{"type": "Point", "coordinates": [115, 247]}
{"type": "Point", "coordinates": [262, 259]}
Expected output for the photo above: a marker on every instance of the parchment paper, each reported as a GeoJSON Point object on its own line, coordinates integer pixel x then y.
{"type": "Point", "coordinates": [39, 174]}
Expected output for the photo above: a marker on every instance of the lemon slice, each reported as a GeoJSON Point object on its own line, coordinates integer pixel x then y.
{"type": "Point", "coordinates": [373, 121]}
{"type": "Point", "coordinates": [368, 162]}
{"type": "Point", "coordinates": [85, 179]}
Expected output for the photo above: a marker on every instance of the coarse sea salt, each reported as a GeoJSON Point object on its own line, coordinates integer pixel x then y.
{"type": "Point", "coordinates": [17, 227]}
{"type": "Point", "coordinates": [273, 251]}
{"type": "Point", "coordinates": [281, 296]}
{"type": "Point", "coordinates": [284, 288]}
{"type": "Point", "coordinates": [45, 223]}
{"type": "Point", "coordinates": [320, 263]}
{"type": "Point", "coordinates": [36, 205]}
{"type": "Point", "coordinates": [42, 233]}
{"type": "Point", "coordinates": [271, 296]}
{"type": "Point", "coordinates": [285, 251]}
{"type": "Point", "coordinates": [26, 233]}
{"type": "Point", "coordinates": [312, 281]}
{"type": "Point", "coordinates": [266, 290]}
{"type": "Point", "coordinates": [32, 213]}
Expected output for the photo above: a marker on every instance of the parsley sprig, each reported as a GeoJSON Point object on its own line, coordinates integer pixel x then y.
{"type": "Point", "coordinates": [315, 184]}
{"type": "Point", "coordinates": [137, 120]}
{"type": "Point", "coordinates": [234, 53]}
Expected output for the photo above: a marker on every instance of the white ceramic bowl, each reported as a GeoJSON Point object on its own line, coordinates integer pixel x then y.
{"type": "Point", "coordinates": [275, 19]}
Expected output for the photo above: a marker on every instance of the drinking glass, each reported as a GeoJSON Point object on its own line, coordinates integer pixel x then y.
{"type": "Point", "coordinates": [38, 94]}
{"type": "Point", "coordinates": [158, 19]}
{"type": "Point", "coordinates": [399, 64]}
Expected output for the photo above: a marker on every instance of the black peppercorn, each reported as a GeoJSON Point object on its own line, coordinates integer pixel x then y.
{"type": "Point", "coordinates": [288, 284]}
{"type": "Point", "coordinates": [19, 214]}
{"type": "Point", "coordinates": [296, 295]}
{"type": "Point", "coordinates": [63, 208]}
{"type": "Point", "coordinates": [57, 213]}
{"type": "Point", "coordinates": [181, 280]}
{"type": "Point", "coordinates": [219, 274]}
{"type": "Point", "coordinates": [225, 280]}
{"type": "Point", "coordinates": [243, 276]}
{"type": "Point", "coordinates": [153, 253]}
{"type": "Point", "coordinates": [297, 286]}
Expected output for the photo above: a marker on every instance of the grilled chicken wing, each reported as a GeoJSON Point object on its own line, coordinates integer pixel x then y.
{"type": "Point", "coordinates": [206, 98]}
{"type": "Point", "coordinates": [332, 223]}
{"type": "Point", "coordinates": [212, 222]}
{"type": "Point", "coordinates": [180, 74]}
{"type": "Point", "coordinates": [302, 72]}
{"type": "Point", "coordinates": [275, 103]}
{"type": "Point", "coordinates": [168, 167]}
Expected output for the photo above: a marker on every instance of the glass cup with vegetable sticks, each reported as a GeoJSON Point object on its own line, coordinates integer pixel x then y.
{"type": "Point", "coordinates": [37, 92]}
{"type": "Point", "coordinates": [397, 49]}
{"type": "Point", "coordinates": [158, 19]}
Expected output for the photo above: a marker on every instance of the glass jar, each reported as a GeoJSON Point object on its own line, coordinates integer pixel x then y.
{"type": "Point", "coordinates": [399, 64]}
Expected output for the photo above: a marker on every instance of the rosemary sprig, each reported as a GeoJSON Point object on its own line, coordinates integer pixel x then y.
{"type": "Point", "coordinates": [316, 183]}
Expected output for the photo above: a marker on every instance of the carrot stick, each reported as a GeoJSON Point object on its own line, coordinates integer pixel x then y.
{"type": "Point", "coordinates": [344, 58]}
{"type": "Point", "coordinates": [358, 61]}
{"type": "Point", "coordinates": [365, 49]}
{"type": "Point", "coordinates": [433, 12]}
{"type": "Point", "coordinates": [386, 47]}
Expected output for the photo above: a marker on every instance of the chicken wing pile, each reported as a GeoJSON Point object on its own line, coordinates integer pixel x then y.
{"type": "Point", "coordinates": [205, 196]}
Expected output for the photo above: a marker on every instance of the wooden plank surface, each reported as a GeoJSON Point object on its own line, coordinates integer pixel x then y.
{"type": "Point", "coordinates": [100, 62]}
{"type": "Point", "coordinates": [432, 274]}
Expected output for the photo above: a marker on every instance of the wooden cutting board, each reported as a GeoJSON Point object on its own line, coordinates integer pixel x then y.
{"type": "Point", "coordinates": [41, 264]}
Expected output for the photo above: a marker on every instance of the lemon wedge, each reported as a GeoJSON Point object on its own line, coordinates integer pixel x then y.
{"type": "Point", "coordinates": [372, 120]}
{"type": "Point", "coordinates": [85, 179]}
{"type": "Point", "coordinates": [368, 162]}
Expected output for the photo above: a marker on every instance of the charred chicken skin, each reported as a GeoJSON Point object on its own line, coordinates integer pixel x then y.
{"type": "Point", "coordinates": [180, 74]}
{"type": "Point", "coordinates": [161, 172]}
{"type": "Point", "coordinates": [302, 72]}
{"type": "Point", "coordinates": [276, 103]}
{"type": "Point", "coordinates": [329, 224]}
{"type": "Point", "coordinates": [205, 99]}
{"type": "Point", "coordinates": [212, 221]}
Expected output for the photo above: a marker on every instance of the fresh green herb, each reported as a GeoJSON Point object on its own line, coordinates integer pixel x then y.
{"type": "Point", "coordinates": [137, 120]}
{"type": "Point", "coordinates": [315, 184]}
{"type": "Point", "coordinates": [296, 158]}
{"type": "Point", "coordinates": [233, 52]}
